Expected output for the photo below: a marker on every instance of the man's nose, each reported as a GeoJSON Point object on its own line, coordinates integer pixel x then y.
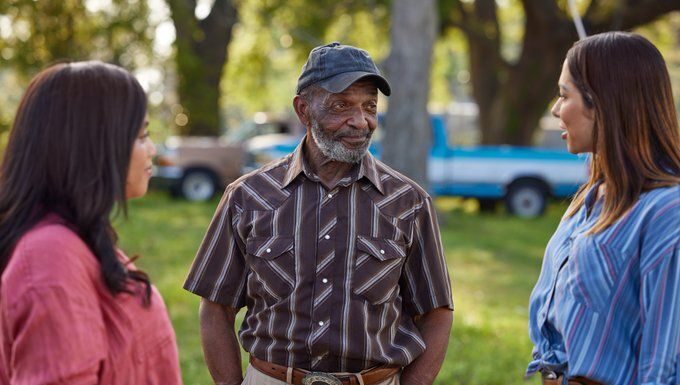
{"type": "Point", "coordinates": [359, 119]}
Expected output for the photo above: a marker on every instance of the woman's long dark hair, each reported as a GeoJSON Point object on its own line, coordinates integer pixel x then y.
{"type": "Point", "coordinates": [636, 139]}
{"type": "Point", "coordinates": [68, 153]}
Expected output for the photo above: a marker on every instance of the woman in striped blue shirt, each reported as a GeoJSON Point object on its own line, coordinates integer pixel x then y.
{"type": "Point", "coordinates": [606, 307]}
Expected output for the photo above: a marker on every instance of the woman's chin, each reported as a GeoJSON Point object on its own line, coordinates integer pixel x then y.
{"type": "Point", "coordinates": [136, 193]}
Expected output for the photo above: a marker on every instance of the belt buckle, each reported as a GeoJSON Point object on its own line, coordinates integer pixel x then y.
{"type": "Point", "coordinates": [549, 374]}
{"type": "Point", "coordinates": [313, 378]}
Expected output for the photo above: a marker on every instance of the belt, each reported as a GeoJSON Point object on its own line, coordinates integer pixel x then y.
{"type": "Point", "coordinates": [571, 381]}
{"type": "Point", "coordinates": [304, 377]}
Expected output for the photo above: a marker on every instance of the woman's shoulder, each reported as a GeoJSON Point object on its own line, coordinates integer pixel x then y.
{"type": "Point", "coordinates": [49, 254]}
{"type": "Point", "coordinates": [659, 213]}
{"type": "Point", "coordinates": [53, 241]}
{"type": "Point", "coordinates": [664, 199]}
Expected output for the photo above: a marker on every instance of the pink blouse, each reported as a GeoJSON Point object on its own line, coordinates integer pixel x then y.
{"type": "Point", "coordinates": [60, 325]}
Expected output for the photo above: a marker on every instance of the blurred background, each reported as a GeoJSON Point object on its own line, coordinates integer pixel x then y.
{"type": "Point", "coordinates": [217, 68]}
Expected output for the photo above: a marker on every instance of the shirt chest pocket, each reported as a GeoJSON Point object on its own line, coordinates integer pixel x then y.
{"type": "Point", "coordinates": [377, 268]}
{"type": "Point", "coordinates": [594, 270]}
{"type": "Point", "coordinates": [272, 262]}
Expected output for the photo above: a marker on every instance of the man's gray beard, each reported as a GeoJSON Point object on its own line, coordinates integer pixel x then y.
{"type": "Point", "coordinates": [333, 149]}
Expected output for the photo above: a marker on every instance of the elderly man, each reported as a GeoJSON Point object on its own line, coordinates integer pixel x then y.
{"type": "Point", "coordinates": [336, 256]}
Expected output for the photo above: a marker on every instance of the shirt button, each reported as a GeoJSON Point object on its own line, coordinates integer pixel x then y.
{"type": "Point", "coordinates": [320, 323]}
{"type": "Point", "coordinates": [324, 280]}
{"type": "Point", "coordinates": [330, 196]}
{"type": "Point", "coordinates": [269, 250]}
{"type": "Point", "coordinates": [327, 236]}
{"type": "Point", "coordinates": [382, 251]}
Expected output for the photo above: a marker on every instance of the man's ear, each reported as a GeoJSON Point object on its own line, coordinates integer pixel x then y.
{"type": "Point", "coordinates": [301, 107]}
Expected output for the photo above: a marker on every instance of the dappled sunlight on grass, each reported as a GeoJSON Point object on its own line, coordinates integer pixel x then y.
{"type": "Point", "coordinates": [494, 261]}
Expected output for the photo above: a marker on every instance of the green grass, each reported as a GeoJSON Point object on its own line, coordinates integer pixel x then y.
{"type": "Point", "coordinates": [494, 261]}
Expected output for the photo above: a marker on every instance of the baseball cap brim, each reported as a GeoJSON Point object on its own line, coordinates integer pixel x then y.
{"type": "Point", "coordinates": [340, 82]}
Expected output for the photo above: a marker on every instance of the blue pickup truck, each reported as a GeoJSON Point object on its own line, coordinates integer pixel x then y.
{"type": "Point", "coordinates": [524, 178]}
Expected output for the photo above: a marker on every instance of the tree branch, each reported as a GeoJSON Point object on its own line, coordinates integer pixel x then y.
{"type": "Point", "coordinates": [542, 11]}
{"type": "Point", "coordinates": [454, 15]}
{"type": "Point", "coordinates": [633, 13]}
{"type": "Point", "coordinates": [222, 10]}
{"type": "Point", "coordinates": [182, 13]}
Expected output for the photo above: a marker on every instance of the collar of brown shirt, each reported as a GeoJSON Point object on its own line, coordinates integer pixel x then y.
{"type": "Point", "coordinates": [366, 168]}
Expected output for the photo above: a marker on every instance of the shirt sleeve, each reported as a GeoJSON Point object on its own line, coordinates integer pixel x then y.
{"type": "Point", "coordinates": [660, 299]}
{"type": "Point", "coordinates": [58, 337]}
{"type": "Point", "coordinates": [425, 283]}
{"type": "Point", "coordinates": [219, 271]}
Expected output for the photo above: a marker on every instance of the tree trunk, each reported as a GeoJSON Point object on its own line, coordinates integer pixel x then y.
{"type": "Point", "coordinates": [486, 68]}
{"type": "Point", "coordinates": [512, 97]}
{"type": "Point", "coordinates": [408, 134]}
{"type": "Point", "coordinates": [530, 84]}
{"type": "Point", "coordinates": [201, 56]}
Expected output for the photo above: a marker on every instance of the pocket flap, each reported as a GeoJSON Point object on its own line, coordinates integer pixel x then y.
{"type": "Point", "coordinates": [269, 247]}
{"type": "Point", "coordinates": [381, 248]}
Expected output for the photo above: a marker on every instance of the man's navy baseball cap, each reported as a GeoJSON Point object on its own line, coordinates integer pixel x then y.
{"type": "Point", "coordinates": [335, 67]}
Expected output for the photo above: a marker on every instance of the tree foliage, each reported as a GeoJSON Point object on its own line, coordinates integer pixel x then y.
{"type": "Point", "coordinates": [37, 33]}
{"type": "Point", "coordinates": [513, 94]}
{"type": "Point", "coordinates": [273, 38]}
{"type": "Point", "coordinates": [34, 34]}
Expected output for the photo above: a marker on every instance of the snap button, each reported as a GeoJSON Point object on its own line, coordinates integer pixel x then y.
{"type": "Point", "coordinates": [327, 236]}
{"type": "Point", "coordinates": [268, 250]}
{"type": "Point", "coordinates": [382, 251]}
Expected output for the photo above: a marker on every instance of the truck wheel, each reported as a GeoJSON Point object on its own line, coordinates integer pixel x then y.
{"type": "Point", "coordinates": [198, 185]}
{"type": "Point", "coordinates": [526, 199]}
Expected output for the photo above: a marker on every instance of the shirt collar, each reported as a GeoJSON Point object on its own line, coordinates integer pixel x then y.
{"type": "Point", "coordinates": [591, 199]}
{"type": "Point", "coordinates": [369, 170]}
{"type": "Point", "coordinates": [297, 165]}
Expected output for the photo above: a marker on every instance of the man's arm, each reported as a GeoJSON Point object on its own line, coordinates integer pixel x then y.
{"type": "Point", "coordinates": [220, 345]}
{"type": "Point", "coordinates": [435, 327]}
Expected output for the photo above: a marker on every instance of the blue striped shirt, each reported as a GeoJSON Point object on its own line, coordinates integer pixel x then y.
{"type": "Point", "coordinates": [607, 306]}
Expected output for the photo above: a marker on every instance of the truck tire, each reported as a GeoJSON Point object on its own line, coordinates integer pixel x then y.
{"type": "Point", "coordinates": [198, 185]}
{"type": "Point", "coordinates": [526, 199]}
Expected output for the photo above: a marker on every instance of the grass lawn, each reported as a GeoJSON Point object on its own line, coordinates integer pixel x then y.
{"type": "Point", "coordinates": [494, 261]}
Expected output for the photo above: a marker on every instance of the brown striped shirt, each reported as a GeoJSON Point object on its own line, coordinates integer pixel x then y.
{"type": "Point", "coordinates": [331, 279]}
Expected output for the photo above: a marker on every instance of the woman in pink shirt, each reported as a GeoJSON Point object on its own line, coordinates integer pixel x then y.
{"type": "Point", "coordinates": [73, 308]}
